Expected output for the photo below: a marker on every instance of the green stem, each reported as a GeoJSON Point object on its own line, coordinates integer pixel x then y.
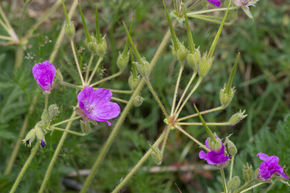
{"type": "Point", "coordinates": [247, 184]}
{"type": "Point", "coordinates": [6, 38]}
{"type": "Point", "coordinates": [185, 90]}
{"type": "Point", "coordinates": [89, 67]}
{"type": "Point", "coordinates": [120, 121]}
{"type": "Point", "coordinates": [95, 69]}
{"type": "Point", "coordinates": [24, 168]}
{"type": "Point", "coordinates": [192, 138]}
{"type": "Point", "coordinates": [121, 91]}
{"type": "Point", "coordinates": [176, 88]}
{"type": "Point", "coordinates": [211, 10]}
{"type": "Point", "coordinates": [202, 112]}
{"type": "Point", "coordinates": [167, 131]}
{"type": "Point", "coordinates": [57, 151]}
{"type": "Point", "coordinates": [68, 131]}
{"type": "Point", "coordinates": [211, 123]}
{"type": "Point", "coordinates": [107, 78]}
{"type": "Point", "coordinates": [98, 33]}
{"type": "Point", "coordinates": [231, 79]}
{"type": "Point", "coordinates": [21, 135]}
{"type": "Point", "coordinates": [70, 85]}
{"type": "Point", "coordinates": [65, 121]}
{"type": "Point", "coordinates": [84, 25]}
{"type": "Point", "coordinates": [77, 61]}
{"type": "Point", "coordinates": [232, 167]}
{"type": "Point", "coordinates": [208, 19]}
{"type": "Point", "coordinates": [252, 187]}
{"type": "Point", "coordinates": [138, 165]}
{"type": "Point", "coordinates": [189, 35]}
{"type": "Point", "coordinates": [189, 95]}
{"type": "Point", "coordinates": [119, 100]}
{"type": "Point", "coordinates": [156, 98]}
{"type": "Point", "coordinates": [46, 101]}
{"type": "Point", "coordinates": [19, 57]}
{"type": "Point", "coordinates": [224, 180]}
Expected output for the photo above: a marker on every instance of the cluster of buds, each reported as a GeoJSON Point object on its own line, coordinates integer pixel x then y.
{"type": "Point", "coordinates": [97, 46]}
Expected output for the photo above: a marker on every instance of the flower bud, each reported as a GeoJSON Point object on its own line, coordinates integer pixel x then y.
{"type": "Point", "coordinates": [101, 47]}
{"type": "Point", "coordinates": [232, 149]}
{"type": "Point", "coordinates": [92, 44]}
{"type": "Point", "coordinates": [234, 183]}
{"type": "Point", "coordinates": [70, 29]}
{"type": "Point", "coordinates": [143, 67]}
{"type": "Point", "coordinates": [123, 60]}
{"type": "Point", "coordinates": [85, 126]}
{"type": "Point", "coordinates": [247, 172]}
{"type": "Point", "coordinates": [138, 100]}
{"type": "Point", "coordinates": [237, 117]}
{"type": "Point", "coordinates": [205, 65]}
{"type": "Point", "coordinates": [29, 138]}
{"type": "Point", "coordinates": [156, 155]}
{"type": "Point", "coordinates": [214, 144]}
{"type": "Point", "coordinates": [181, 52]}
{"type": "Point", "coordinates": [40, 136]}
{"type": "Point", "coordinates": [193, 59]}
{"type": "Point", "coordinates": [133, 81]}
{"type": "Point", "coordinates": [226, 98]}
{"type": "Point", "coordinates": [53, 112]}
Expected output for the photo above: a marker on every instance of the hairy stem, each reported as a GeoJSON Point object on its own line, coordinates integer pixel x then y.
{"type": "Point", "coordinates": [77, 61]}
{"type": "Point", "coordinates": [224, 180]}
{"type": "Point", "coordinates": [89, 67]}
{"type": "Point", "coordinates": [252, 187]}
{"type": "Point", "coordinates": [65, 121]}
{"type": "Point", "coordinates": [68, 131]}
{"type": "Point", "coordinates": [232, 167]}
{"type": "Point", "coordinates": [119, 100]}
{"type": "Point", "coordinates": [210, 10]}
{"type": "Point", "coordinates": [202, 112]}
{"type": "Point", "coordinates": [107, 78]}
{"type": "Point", "coordinates": [95, 69]}
{"type": "Point", "coordinates": [212, 123]}
{"type": "Point", "coordinates": [70, 85]}
{"type": "Point", "coordinates": [176, 88]}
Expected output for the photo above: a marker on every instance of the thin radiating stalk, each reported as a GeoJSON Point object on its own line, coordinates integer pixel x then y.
{"type": "Point", "coordinates": [224, 180]}
{"type": "Point", "coordinates": [192, 138]}
{"type": "Point", "coordinates": [119, 100]}
{"type": "Point", "coordinates": [65, 121]}
{"type": "Point", "coordinates": [138, 165]}
{"type": "Point", "coordinates": [107, 78]}
{"type": "Point", "coordinates": [176, 88]}
{"type": "Point", "coordinates": [232, 167]}
{"type": "Point", "coordinates": [77, 61]}
{"type": "Point", "coordinates": [199, 124]}
{"type": "Point", "coordinates": [202, 112]}
{"type": "Point", "coordinates": [70, 85]}
{"type": "Point", "coordinates": [252, 187]}
{"type": "Point", "coordinates": [89, 67]}
{"type": "Point", "coordinates": [24, 168]}
{"type": "Point", "coordinates": [210, 10]}
{"type": "Point", "coordinates": [120, 121]}
{"type": "Point", "coordinates": [95, 69]}
{"type": "Point", "coordinates": [185, 90]}
{"type": "Point", "coordinates": [167, 131]}
{"type": "Point", "coordinates": [121, 91]}
{"type": "Point", "coordinates": [189, 95]}
{"type": "Point", "coordinates": [6, 38]}
{"type": "Point", "coordinates": [68, 131]}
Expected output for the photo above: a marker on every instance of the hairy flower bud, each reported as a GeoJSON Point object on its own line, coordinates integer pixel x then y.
{"type": "Point", "coordinates": [232, 149]}
{"type": "Point", "coordinates": [156, 155]}
{"type": "Point", "coordinates": [247, 172]}
{"type": "Point", "coordinates": [29, 138]}
{"type": "Point", "coordinates": [234, 183]}
{"type": "Point", "coordinates": [138, 100]}
{"type": "Point", "coordinates": [53, 112]}
{"type": "Point", "coordinates": [69, 29]}
{"type": "Point", "coordinates": [237, 117]}
{"type": "Point", "coordinates": [205, 65]}
{"type": "Point", "coordinates": [123, 60]}
{"type": "Point", "coordinates": [85, 126]}
{"type": "Point", "coordinates": [40, 136]}
{"type": "Point", "coordinates": [181, 53]}
{"type": "Point", "coordinates": [143, 67]}
{"type": "Point", "coordinates": [101, 47]}
{"type": "Point", "coordinates": [226, 97]}
{"type": "Point", "coordinates": [193, 59]}
{"type": "Point", "coordinates": [133, 81]}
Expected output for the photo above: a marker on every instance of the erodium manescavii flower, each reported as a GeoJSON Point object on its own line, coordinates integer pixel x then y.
{"type": "Point", "coordinates": [215, 2]}
{"type": "Point", "coordinates": [96, 104]}
{"type": "Point", "coordinates": [214, 157]}
{"type": "Point", "coordinates": [44, 74]}
{"type": "Point", "coordinates": [270, 167]}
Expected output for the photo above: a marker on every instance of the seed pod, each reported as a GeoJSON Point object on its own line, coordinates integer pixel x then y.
{"type": "Point", "coordinates": [193, 59]}
{"type": "Point", "coordinates": [181, 53]}
{"type": "Point", "coordinates": [143, 67]}
{"type": "Point", "coordinates": [70, 29]}
{"type": "Point", "coordinates": [237, 117]}
{"type": "Point", "coordinates": [232, 149]}
{"type": "Point", "coordinates": [226, 98]}
{"type": "Point", "coordinates": [92, 44]}
{"type": "Point", "coordinates": [156, 155]}
{"type": "Point", "coordinates": [247, 172]}
{"type": "Point", "coordinates": [123, 60]}
{"type": "Point", "coordinates": [234, 183]}
{"type": "Point", "coordinates": [101, 47]}
{"type": "Point", "coordinates": [205, 65]}
{"type": "Point", "coordinates": [133, 81]}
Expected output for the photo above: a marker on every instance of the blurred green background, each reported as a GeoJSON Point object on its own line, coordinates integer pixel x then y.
{"type": "Point", "coordinates": [262, 89]}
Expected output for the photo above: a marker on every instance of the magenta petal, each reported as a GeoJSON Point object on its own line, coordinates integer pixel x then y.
{"type": "Point", "coordinates": [215, 2]}
{"type": "Point", "coordinates": [44, 74]}
{"type": "Point", "coordinates": [263, 156]}
{"type": "Point", "coordinates": [108, 110]}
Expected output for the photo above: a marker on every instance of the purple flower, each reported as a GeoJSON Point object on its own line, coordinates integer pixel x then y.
{"type": "Point", "coordinates": [270, 166]}
{"type": "Point", "coordinates": [96, 104]}
{"type": "Point", "coordinates": [44, 74]}
{"type": "Point", "coordinates": [214, 157]}
{"type": "Point", "coordinates": [215, 2]}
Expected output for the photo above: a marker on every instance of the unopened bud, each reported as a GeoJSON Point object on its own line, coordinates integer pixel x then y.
{"type": "Point", "coordinates": [123, 60]}
{"type": "Point", "coordinates": [85, 126]}
{"type": "Point", "coordinates": [133, 81]}
{"type": "Point", "coordinates": [101, 47]}
{"type": "Point", "coordinates": [237, 117]}
{"type": "Point", "coordinates": [205, 65]}
{"type": "Point", "coordinates": [143, 67]}
{"type": "Point", "coordinates": [232, 149]}
{"type": "Point", "coordinates": [226, 97]}
{"type": "Point", "coordinates": [193, 59]}
{"type": "Point", "coordinates": [29, 138]}
{"type": "Point", "coordinates": [53, 112]}
{"type": "Point", "coordinates": [156, 155]}
{"type": "Point", "coordinates": [234, 183]}
{"type": "Point", "coordinates": [214, 144]}
{"type": "Point", "coordinates": [247, 172]}
{"type": "Point", "coordinates": [40, 136]}
{"type": "Point", "coordinates": [138, 100]}
{"type": "Point", "coordinates": [181, 52]}
{"type": "Point", "coordinates": [69, 29]}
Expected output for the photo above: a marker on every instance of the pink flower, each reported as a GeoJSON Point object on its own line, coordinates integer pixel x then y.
{"type": "Point", "coordinates": [270, 166]}
{"type": "Point", "coordinates": [214, 157]}
{"type": "Point", "coordinates": [215, 2]}
{"type": "Point", "coordinates": [44, 74]}
{"type": "Point", "coordinates": [96, 104]}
